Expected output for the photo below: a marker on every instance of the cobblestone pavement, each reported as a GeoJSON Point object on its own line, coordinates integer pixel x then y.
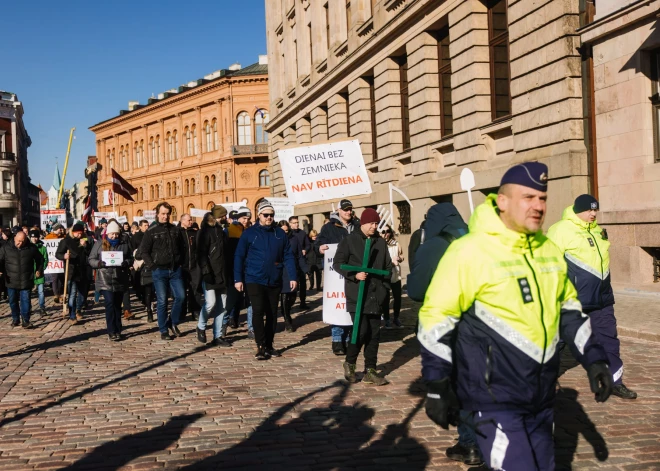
{"type": "Point", "coordinates": [70, 399]}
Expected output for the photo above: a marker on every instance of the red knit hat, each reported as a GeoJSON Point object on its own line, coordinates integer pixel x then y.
{"type": "Point", "coordinates": [368, 216]}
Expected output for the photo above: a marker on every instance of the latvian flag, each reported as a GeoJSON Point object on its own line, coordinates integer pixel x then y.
{"type": "Point", "coordinates": [88, 213]}
{"type": "Point", "coordinates": [122, 187]}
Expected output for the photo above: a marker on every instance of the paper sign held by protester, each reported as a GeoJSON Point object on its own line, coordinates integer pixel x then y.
{"type": "Point", "coordinates": [334, 298]}
{"type": "Point", "coordinates": [112, 258]}
{"type": "Point", "coordinates": [198, 213]}
{"type": "Point", "coordinates": [283, 208]}
{"type": "Point", "coordinates": [50, 217]}
{"type": "Point", "coordinates": [329, 171]}
{"type": "Point", "coordinates": [54, 265]}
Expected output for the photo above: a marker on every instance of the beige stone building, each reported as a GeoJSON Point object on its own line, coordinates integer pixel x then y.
{"type": "Point", "coordinates": [431, 87]}
{"type": "Point", "coordinates": [624, 40]}
{"type": "Point", "coordinates": [194, 146]}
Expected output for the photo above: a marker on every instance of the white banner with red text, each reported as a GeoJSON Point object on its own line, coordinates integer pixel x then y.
{"type": "Point", "coordinates": [334, 298]}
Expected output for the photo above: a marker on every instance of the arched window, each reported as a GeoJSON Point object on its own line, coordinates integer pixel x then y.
{"type": "Point", "coordinates": [194, 138]}
{"type": "Point", "coordinates": [152, 148]}
{"type": "Point", "coordinates": [141, 154]}
{"type": "Point", "coordinates": [264, 178]}
{"type": "Point", "coordinates": [244, 129]}
{"type": "Point", "coordinates": [173, 188]}
{"type": "Point", "coordinates": [151, 192]}
{"type": "Point", "coordinates": [188, 142]}
{"type": "Point", "coordinates": [175, 138]}
{"type": "Point", "coordinates": [156, 158]}
{"type": "Point", "coordinates": [213, 188]}
{"type": "Point", "coordinates": [189, 210]}
{"type": "Point", "coordinates": [186, 187]}
{"type": "Point", "coordinates": [108, 163]}
{"type": "Point", "coordinates": [139, 213]}
{"type": "Point", "coordinates": [135, 153]}
{"type": "Point", "coordinates": [207, 136]}
{"type": "Point", "coordinates": [260, 121]}
{"type": "Point", "coordinates": [157, 191]}
{"type": "Point", "coordinates": [193, 190]}
{"type": "Point", "coordinates": [169, 189]}
{"type": "Point", "coordinates": [207, 184]}
{"type": "Point", "coordinates": [170, 147]}
{"type": "Point", "coordinates": [173, 216]}
{"type": "Point", "coordinates": [215, 134]}
{"type": "Point", "coordinates": [112, 158]}
{"type": "Point", "coordinates": [210, 205]}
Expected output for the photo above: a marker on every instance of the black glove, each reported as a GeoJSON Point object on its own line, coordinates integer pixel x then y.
{"type": "Point", "coordinates": [102, 264]}
{"type": "Point", "coordinates": [208, 279]}
{"type": "Point", "coordinates": [124, 264]}
{"type": "Point", "coordinates": [442, 406]}
{"type": "Point", "coordinates": [600, 380]}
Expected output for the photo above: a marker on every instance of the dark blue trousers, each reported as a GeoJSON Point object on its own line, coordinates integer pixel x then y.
{"type": "Point", "coordinates": [603, 326]}
{"type": "Point", "coordinates": [516, 441]}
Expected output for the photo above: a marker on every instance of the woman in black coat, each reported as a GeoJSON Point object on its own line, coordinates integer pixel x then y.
{"type": "Point", "coordinates": [288, 295]}
{"type": "Point", "coordinates": [211, 255]}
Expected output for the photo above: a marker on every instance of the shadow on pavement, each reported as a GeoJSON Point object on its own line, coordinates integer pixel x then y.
{"type": "Point", "coordinates": [116, 454]}
{"type": "Point", "coordinates": [313, 336]}
{"type": "Point", "coordinates": [571, 421]}
{"type": "Point", "coordinates": [405, 353]}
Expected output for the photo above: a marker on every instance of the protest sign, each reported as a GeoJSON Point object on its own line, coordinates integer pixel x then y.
{"type": "Point", "coordinates": [283, 208]}
{"type": "Point", "coordinates": [334, 298]}
{"type": "Point", "coordinates": [112, 258]}
{"type": "Point", "coordinates": [122, 219]}
{"type": "Point", "coordinates": [198, 213]}
{"type": "Point", "coordinates": [107, 215]}
{"type": "Point", "coordinates": [329, 171]}
{"type": "Point", "coordinates": [54, 265]}
{"type": "Point", "coordinates": [50, 217]}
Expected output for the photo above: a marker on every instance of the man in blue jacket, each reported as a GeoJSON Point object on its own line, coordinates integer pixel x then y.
{"type": "Point", "coordinates": [263, 252]}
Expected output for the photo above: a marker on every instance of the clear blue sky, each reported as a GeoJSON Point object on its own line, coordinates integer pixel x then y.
{"type": "Point", "coordinates": [76, 63]}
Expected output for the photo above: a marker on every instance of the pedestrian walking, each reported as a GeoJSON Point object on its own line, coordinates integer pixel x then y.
{"type": "Point", "coordinates": [586, 249]}
{"type": "Point", "coordinates": [341, 224]}
{"type": "Point", "coordinates": [190, 269]}
{"type": "Point", "coordinates": [75, 248]}
{"type": "Point", "coordinates": [492, 316]}
{"type": "Point", "coordinates": [351, 251]}
{"type": "Point", "coordinates": [211, 252]}
{"type": "Point", "coordinates": [144, 282]}
{"type": "Point", "coordinates": [242, 219]}
{"type": "Point", "coordinates": [39, 281]}
{"type": "Point", "coordinates": [161, 250]}
{"type": "Point", "coordinates": [315, 263]}
{"type": "Point", "coordinates": [305, 248]}
{"type": "Point", "coordinates": [20, 262]}
{"type": "Point", "coordinates": [112, 281]}
{"type": "Point", "coordinates": [396, 255]}
{"type": "Point", "coordinates": [288, 294]}
{"type": "Point", "coordinates": [262, 254]}
{"type": "Point", "coordinates": [56, 280]}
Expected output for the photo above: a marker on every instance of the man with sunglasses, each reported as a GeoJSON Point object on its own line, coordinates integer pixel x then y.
{"type": "Point", "coordinates": [342, 222]}
{"type": "Point", "coordinates": [263, 252]}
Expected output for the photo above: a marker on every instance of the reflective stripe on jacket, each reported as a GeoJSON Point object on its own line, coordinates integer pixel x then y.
{"type": "Point", "coordinates": [493, 314]}
{"type": "Point", "coordinates": [587, 254]}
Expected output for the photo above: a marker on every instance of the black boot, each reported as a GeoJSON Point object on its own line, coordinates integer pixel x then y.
{"type": "Point", "coordinates": [467, 454]}
{"type": "Point", "coordinates": [338, 348]}
{"type": "Point", "coordinates": [223, 332]}
{"type": "Point", "coordinates": [286, 308]}
{"type": "Point", "coordinates": [150, 315]}
{"type": "Point", "coordinates": [620, 390]}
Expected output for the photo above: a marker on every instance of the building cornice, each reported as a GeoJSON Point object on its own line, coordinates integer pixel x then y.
{"type": "Point", "coordinates": [618, 19]}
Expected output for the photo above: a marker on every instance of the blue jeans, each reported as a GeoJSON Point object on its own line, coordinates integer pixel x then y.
{"type": "Point", "coordinates": [75, 299]}
{"type": "Point", "coordinates": [42, 297]}
{"type": "Point", "coordinates": [164, 278]}
{"type": "Point", "coordinates": [340, 333]}
{"type": "Point", "coordinates": [466, 434]}
{"type": "Point", "coordinates": [214, 305]}
{"type": "Point", "coordinates": [19, 302]}
{"type": "Point", "coordinates": [235, 301]}
{"type": "Point", "coordinates": [113, 301]}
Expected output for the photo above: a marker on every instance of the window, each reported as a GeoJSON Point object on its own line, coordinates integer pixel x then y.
{"type": "Point", "coordinates": [260, 134]}
{"type": "Point", "coordinates": [192, 186]}
{"type": "Point", "coordinates": [112, 158]}
{"type": "Point", "coordinates": [215, 134]}
{"type": "Point", "coordinates": [264, 178]}
{"type": "Point", "coordinates": [405, 117]}
{"type": "Point", "coordinates": [173, 188]}
{"type": "Point", "coordinates": [213, 188]}
{"type": "Point", "coordinates": [244, 131]}
{"type": "Point", "coordinates": [444, 70]}
{"type": "Point", "coordinates": [6, 182]}
{"type": "Point", "coordinates": [207, 184]}
{"type": "Point", "coordinates": [188, 142]}
{"type": "Point", "coordinates": [135, 153]}
{"type": "Point", "coordinates": [207, 134]}
{"type": "Point", "coordinates": [140, 194]}
{"type": "Point", "coordinates": [124, 158]}
{"type": "Point", "coordinates": [327, 24]}
{"type": "Point", "coordinates": [226, 179]}
{"type": "Point", "coordinates": [655, 100]}
{"type": "Point", "coordinates": [169, 189]}
{"type": "Point", "coordinates": [152, 149]}
{"type": "Point", "coordinates": [372, 110]}
{"type": "Point", "coordinates": [151, 192]}
{"type": "Point", "coordinates": [498, 43]}
{"type": "Point", "coordinates": [175, 138]}
{"type": "Point", "coordinates": [140, 154]}
{"type": "Point", "coordinates": [194, 138]}
{"type": "Point", "coordinates": [170, 147]}
{"type": "Point", "coordinates": [157, 191]}
{"type": "Point", "coordinates": [157, 157]}
{"type": "Point", "coordinates": [186, 187]}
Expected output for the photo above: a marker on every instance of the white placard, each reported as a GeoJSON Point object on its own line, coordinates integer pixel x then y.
{"type": "Point", "coordinates": [232, 206]}
{"type": "Point", "coordinates": [334, 298]}
{"type": "Point", "coordinates": [283, 208]}
{"type": "Point", "coordinates": [50, 217]}
{"type": "Point", "coordinates": [112, 258]}
{"type": "Point", "coordinates": [328, 171]}
{"type": "Point", "coordinates": [54, 265]}
{"type": "Point", "coordinates": [198, 213]}
{"type": "Point", "coordinates": [104, 214]}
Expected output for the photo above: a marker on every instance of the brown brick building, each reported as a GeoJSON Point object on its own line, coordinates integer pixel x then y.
{"type": "Point", "coordinates": [200, 144]}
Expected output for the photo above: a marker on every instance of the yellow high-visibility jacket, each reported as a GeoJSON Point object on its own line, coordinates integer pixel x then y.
{"type": "Point", "coordinates": [493, 315]}
{"type": "Point", "coordinates": [587, 253]}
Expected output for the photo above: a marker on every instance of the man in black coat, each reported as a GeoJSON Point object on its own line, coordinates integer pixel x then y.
{"type": "Point", "coordinates": [305, 246]}
{"type": "Point", "coordinates": [75, 248]}
{"type": "Point", "coordinates": [191, 273]}
{"type": "Point", "coordinates": [21, 262]}
{"type": "Point", "coordinates": [351, 252]}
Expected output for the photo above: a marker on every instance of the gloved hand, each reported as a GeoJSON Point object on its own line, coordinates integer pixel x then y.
{"type": "Point", "coordinates": [600, 380]}
{"type": "Point", "coordinates": [124, 264]}
{"type": "Point", "coordinates": [102, 264]}
{"type": "Point", "coordinates": [442, 406]}
{"type": "Point", "coordinates": [208, 278]}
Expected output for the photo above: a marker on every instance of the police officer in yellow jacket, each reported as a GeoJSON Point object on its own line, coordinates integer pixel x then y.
{"type": "Point", "coordinates": [587, 252]}
{"type": "Point", "coordinates": [493, 314]}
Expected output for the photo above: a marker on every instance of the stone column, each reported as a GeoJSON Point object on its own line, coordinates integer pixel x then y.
{"type": "Point", "coordinates": [360, 116]}
{"type": "Point", "coordinates": [337, 117]}
{"type": "Point", "coordinates": [470, 80]}
{"type": "Point", "coordinates": [319, 124]}
{"type": "Point", "coordinates": [424, 100]}
{"type": "Point", "coordinates": [303, 135]}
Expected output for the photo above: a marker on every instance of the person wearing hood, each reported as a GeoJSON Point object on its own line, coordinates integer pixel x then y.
{"type": "Point", "coordinates": [39, 281]}
{"type": "Point", "coordinates": [113, 280]}
{"type": "Point", "coordinates": [492, 316]}
{"type": "Point", "coordinates": [586, 249]}
{"type": "Point", "coordinates": [341, 224]}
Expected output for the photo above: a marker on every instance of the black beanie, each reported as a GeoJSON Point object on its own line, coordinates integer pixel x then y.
{"type": "Point", "coordinates": [585, 203]}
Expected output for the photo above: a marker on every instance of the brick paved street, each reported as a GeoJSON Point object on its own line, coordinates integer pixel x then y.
{"type": "Point", "coordinates": [70, 399]}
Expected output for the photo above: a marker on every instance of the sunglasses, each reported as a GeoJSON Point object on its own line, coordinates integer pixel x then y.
{"type": "Point", "coordinates": [269, 215]}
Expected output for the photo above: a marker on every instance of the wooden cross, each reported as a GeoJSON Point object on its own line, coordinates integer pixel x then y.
{"type": "Point", "coordinates": [364, 268]}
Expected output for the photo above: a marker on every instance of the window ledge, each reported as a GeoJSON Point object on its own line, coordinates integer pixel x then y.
{"type": "Point", "coordinates": [366, 28]}
{"type": "Point", "coordinates": [304, 81]}
{"type": "Point", "coordinates": [280, 29]}
{"type": "Point", "coordinates": [501, 126]}
{"type": "Point", "coordinates": [392, 4]}
{"type": "Point", "coordinates": [279, 103]}
{"type": "Point", "coordinates": [291, 93]}
{"type": "Point", "coordinates": [341, 49]}
{"type": "Point", "coordinates": [322, 67]}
